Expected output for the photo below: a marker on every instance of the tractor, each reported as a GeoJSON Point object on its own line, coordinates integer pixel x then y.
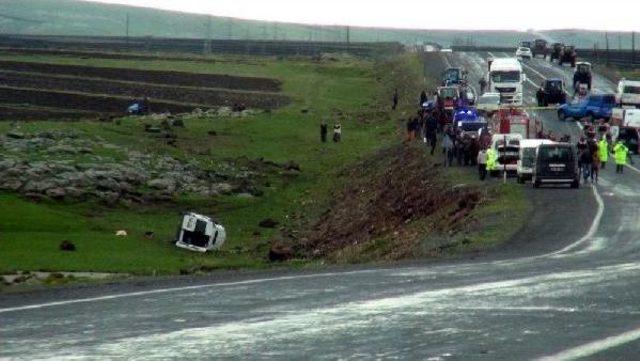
{"type": "Point", "coordinates": [568, 55]}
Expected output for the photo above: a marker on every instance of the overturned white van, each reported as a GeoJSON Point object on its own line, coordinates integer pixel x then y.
{"type": "Point", "coordinates": [200, 233]}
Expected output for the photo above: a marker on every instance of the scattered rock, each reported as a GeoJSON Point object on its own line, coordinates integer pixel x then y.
{"type": "Point", "coordinates": [212, 133]}
{"type": "Point", "coordinates": [291, 166]}
{"type": "Point", "coordinates": [15, 135]}
{"type": "Point", "coordinates": [121, 233]}
{"type": "Point", "coordinates": [268, 223]}
{"type": "Point", "coordinates": [67, 246]}
{"type": "Point", "coordinates": [280, 253]}
{"type": "Point", "coordinates": [149, 235]}
{"type": "Point", "coordinates": [56, 193]}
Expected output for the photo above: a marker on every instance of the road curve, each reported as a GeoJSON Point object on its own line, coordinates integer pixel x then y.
{"type": "Point", "coordinates": [567, 287]}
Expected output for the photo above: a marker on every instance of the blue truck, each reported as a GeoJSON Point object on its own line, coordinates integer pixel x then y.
{"type": "Point", "coordinates": [594, 106]}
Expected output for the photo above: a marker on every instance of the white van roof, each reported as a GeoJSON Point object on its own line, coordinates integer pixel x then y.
{"type": "Point", "coordinates": [506, 64]}
{"type": "Point", "coordinates": [533, 143]}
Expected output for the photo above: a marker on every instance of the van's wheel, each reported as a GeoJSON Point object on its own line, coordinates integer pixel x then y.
{"type": "Point", "coordinates": [520, 180]}
{"type": "Point", "coordinates": [535, 183]}
{"type": "Point", "coordinates": [561, 115]}
{"type": "Point", "coordinates": [575, 184]}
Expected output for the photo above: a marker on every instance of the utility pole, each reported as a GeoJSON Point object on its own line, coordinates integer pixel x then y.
{"type": "Point", "coordinates": [127, 28]}
{"type": "Point", "coordinates": [633, 47]}
{"type": "Point", "coordinates": [348, 34]}
{"type": "Point", "coordinates": [606, 39]}
{"type": "Point", "coordinates": [207, 40]}
{"type": "Point", "coordinates": [229, 28]}
{"type": "Point", "coordinates": [619, 42]}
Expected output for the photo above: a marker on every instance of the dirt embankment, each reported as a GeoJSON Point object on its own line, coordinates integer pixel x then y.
{"type": "Point", "coordinates": [149, 76]}
{"type": "Point", "coordinates": [394, 205]}
{"type": "Point", "coordinates": [207, 97]}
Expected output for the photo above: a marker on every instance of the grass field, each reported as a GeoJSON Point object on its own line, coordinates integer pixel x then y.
{"type": "Point", "coordinates": [358, 90]}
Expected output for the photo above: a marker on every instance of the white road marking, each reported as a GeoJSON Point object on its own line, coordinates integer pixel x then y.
{"type": "Point", "coordinates": [175, 289]}
{"type": "Point", "coordinates": [633, 168]}
{"type": "Point", "coordinates": [592, 230]}
{"type": "Point", "coordinates": [592, 348]}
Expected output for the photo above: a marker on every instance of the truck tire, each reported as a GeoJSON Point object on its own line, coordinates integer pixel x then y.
{"type": "Point", "coordinates": [535, 183]}
{"type": "Point", "coordinates": [561, 115]}
{"type": "Point", "coordinates": [520, 180]}
{"type": "Point", "coordinates": [575, 184]}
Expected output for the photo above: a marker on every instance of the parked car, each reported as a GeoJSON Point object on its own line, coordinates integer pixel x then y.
{"type": "Point", "coordinates": [527, 159]}
{"type": "Point", "coordinates": [556, 51]}
{"type": "Point", "coordinates": [523, 53]}
{"type": "Point", "coordinates": [568, 55]}
{"type": "Point", "coordinates": [199, 233]}
{"type": "Point", "coordinates": [488, 103]}
{"type": "Point", "coordinates": [540, 47]}
{"type": "Point", "coordinates": [594, 106]}
{"type": "Point", "coordinates": [628, 93]}
{"type": "Point", "coordinates": [552, 91]}
{"type": "Point", "coordinates": [582, 75]}
{"type": "Point", "coordinates": [556, 164]}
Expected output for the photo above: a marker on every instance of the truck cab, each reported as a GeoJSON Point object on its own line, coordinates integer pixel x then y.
{"type": "Point", "coordinates": [507, 77]}
{"type": "Point", "coordinates": [582, 75]}
{"type": "Point", "coordinates": [552, 91]}
{"type": "Point", "coordinates": [540, 47]}
{"type": "Point", "coordinates": [568, 55]}
{"type": "Point", "coordinates": [628, 93]}
{"type": "Point", "coordinates": [453, 76]}
{"type": "Point", "coordinates": [556, 51]}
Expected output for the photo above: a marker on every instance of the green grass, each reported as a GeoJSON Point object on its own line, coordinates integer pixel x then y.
{"type": "Point", "coordinates": [31, 232]}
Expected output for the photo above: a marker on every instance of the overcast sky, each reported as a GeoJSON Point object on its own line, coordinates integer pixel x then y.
{"type": "Point", "coordinates": [424, 14]}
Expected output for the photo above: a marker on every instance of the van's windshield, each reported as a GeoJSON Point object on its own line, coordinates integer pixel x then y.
{"type": "Point", "coordinates": [505, 76]}
{"type": "Point", "coordinates": [556, 154]}
{"type": "Point", "coordinates": [629, 89]}
{"type": "Point", "coordinates": [528, 157]}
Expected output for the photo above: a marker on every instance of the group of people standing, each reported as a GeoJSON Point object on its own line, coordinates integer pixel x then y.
{"type": "Point", "coordinates": [593, 155]}
{"type": "Point", "coordinates": [324, 131]}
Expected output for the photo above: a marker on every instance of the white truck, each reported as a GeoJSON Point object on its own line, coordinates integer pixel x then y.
{"type": "Point", "coordinates": [628, 93]}
{"type": "Point", "coordinates": [507, 78]}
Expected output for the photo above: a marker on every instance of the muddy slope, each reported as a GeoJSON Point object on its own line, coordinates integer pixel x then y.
{"type": "Point", "coordinates": [383, 198]}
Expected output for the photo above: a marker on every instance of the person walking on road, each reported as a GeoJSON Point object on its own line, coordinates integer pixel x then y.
{"type": "Point", "coordinates": [324, 130]}
{"type": "Point", "coordinates": [603, 152]}
{"type": "Point", "coordinates": [423, 98]}
{"type": "Point", "coordinates": [621, 153]}
{"type": "Point", "coordinates": [586, 160]}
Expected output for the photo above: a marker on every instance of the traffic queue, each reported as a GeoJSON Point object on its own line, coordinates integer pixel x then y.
{"type": "Point", "coordinates": [501, 138]}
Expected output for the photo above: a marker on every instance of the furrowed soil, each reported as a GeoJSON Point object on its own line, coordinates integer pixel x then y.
{"type": "Point", "coordinates": [95, 103]}
{"type": "Point", "coordinates": [150, 76]}
{"type": "Point", "coordinates": [136, 90]}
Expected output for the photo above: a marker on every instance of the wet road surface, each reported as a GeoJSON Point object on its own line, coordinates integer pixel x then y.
{"type": "Point", "coordinates": [567, 287]}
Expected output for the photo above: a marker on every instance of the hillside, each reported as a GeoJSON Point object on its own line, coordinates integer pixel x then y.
{"type": "Point", "coordinates": [74, 17]}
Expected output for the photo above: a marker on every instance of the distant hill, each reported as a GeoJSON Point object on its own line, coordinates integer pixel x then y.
{"type": "Point", "coordinates": [74, 17]}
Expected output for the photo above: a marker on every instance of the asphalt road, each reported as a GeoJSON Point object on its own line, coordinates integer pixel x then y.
{"type": "Point", "coordinates": [567, 287]}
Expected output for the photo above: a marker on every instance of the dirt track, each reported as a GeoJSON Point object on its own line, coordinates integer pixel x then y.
{"type": "Point", "coordinates": [149, 76]}
{"type": "Point", "coordinates": [175, 94]}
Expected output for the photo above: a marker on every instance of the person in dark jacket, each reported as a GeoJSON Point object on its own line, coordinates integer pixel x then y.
{"type": "Point", "coordinates": [396, 98]}
{"type": "Point", "coordinates": [431, 131]}
{"type": "Point", "coordinates": [324, 130]}
{"type": "Point", "coordinates": [423, 98]}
